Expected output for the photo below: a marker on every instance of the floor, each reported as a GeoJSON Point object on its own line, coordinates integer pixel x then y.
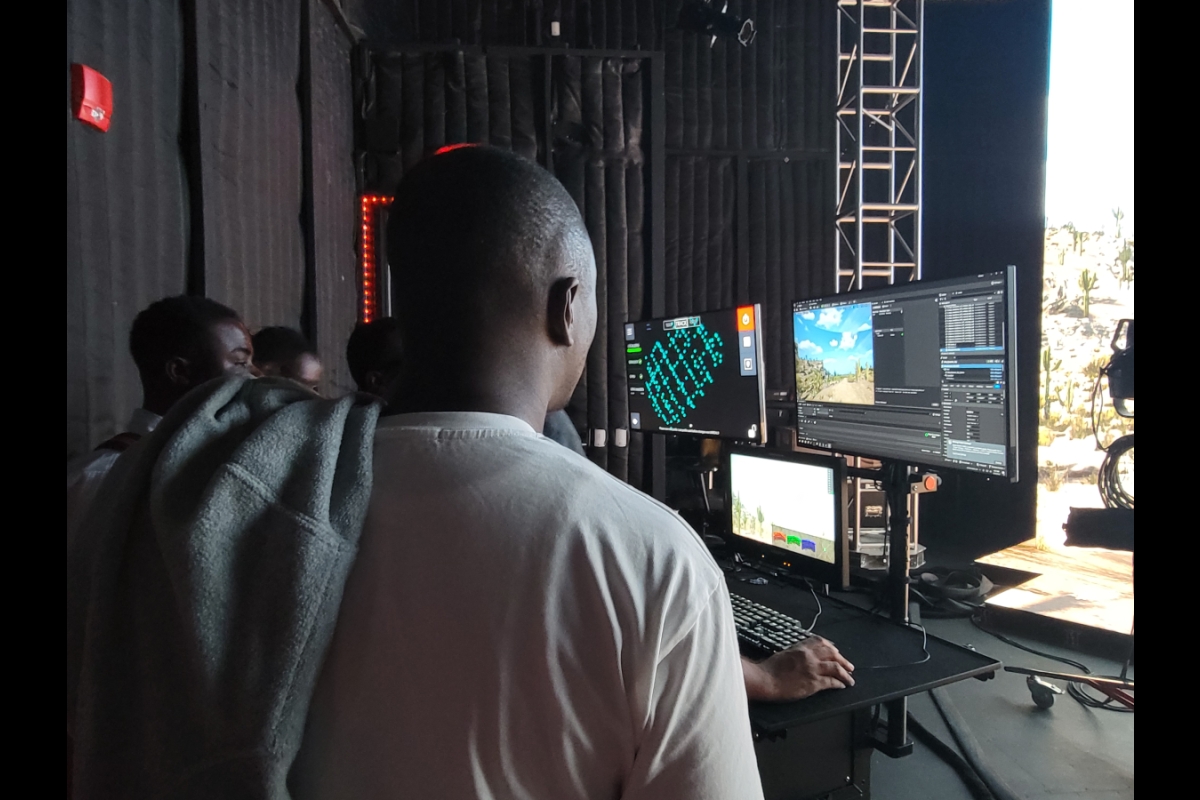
{"type": "Point", "coordinates": [1067, 751]}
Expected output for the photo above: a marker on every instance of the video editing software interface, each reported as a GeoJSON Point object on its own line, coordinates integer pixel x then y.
{"type": "Point", "coordinates": [784, 504]}
{"type": "Point", "coordinates": [918, 372]}
{"type": "Point", "coordinates": [697, 374]}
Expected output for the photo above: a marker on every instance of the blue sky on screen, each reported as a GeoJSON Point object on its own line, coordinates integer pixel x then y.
{"type": "Point", "coordinates": [795, 496]}
{"type": "Point", "coordinates": [840, 337]}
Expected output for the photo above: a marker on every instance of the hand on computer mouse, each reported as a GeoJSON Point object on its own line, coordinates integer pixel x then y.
{"type": "Point", "coordinates": [804, 669]}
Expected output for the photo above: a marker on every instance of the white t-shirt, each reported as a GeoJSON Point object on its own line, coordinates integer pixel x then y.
{"type": "Point", "coordinates": [520, 624]}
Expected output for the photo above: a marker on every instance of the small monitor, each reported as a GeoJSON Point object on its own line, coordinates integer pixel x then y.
{"type": "Point", "coordinates": [790, 509]}
{"type": "Point", "coordinates": [922, 373]}
{"type": "Point", "coordinates": [700, 374]}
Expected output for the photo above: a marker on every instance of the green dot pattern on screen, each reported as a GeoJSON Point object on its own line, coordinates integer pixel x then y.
{"type": "Point", "coordinates": [679, 368]}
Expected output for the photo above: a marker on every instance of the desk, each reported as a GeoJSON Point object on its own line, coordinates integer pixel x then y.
{"type": "Point", "coordinates": [822, 745]}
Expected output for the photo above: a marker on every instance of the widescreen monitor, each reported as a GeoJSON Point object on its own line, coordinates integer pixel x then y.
{"type": "Point", "coordinates": [922, 373]}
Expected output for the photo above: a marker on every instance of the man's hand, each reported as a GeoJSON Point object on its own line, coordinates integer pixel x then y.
{"type": "Point", "coordinates": [802, 670]}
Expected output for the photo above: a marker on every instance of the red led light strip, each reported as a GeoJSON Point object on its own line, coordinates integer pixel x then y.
{"type": "Point", "coordinates": [368, 307]}
{"type": "Point", "coordinates": [449, 148]}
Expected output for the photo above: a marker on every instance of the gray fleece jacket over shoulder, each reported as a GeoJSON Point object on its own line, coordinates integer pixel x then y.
{"type": "Point", "coordinates": [204, 588]}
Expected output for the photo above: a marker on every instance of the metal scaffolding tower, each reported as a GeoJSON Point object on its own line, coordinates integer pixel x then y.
{"type": "Point", "coordinates": [879, 142]}
{"type": "Point", "coordinates": [879, 160]}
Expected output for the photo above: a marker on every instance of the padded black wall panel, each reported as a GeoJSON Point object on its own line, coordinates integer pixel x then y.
{"type": "Point", "coordinates": [207, 137]}
{"type": "Point", "coordinates": [595, 107]}
{"type": "Point", "coordinates": [598, 114]}
{"type": "Point", "coordinates": [790, 218]}
{"type": "Point", "coordinates": [749, 162]}
{"type": "Point", "coordinates": [250, 158]}
{"type": "Point", "coordinates": [774, 95]}
{"type": "Point", "coordinates": [810, 70]}
{"type": "Point", "coordinates": [333, 195]}
{"type": "Point", "coordinates": [526, 91]}
{"type": "Point", "coordinates": [584, 24]}
{"type": "Point", "coordinates": [499, 106]}
{"type": "Point", "coordinates": [423, 100]}
{"type": "Point", "coordinates": [700, 234]}
{"type": "Point", "coordinates": [765, 111]}
{"type": "Point", "coordinates": [127, 221]}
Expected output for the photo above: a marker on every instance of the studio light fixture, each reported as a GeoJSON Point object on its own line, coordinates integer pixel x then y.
{"type": "Point", "coordinates": [701, 16]}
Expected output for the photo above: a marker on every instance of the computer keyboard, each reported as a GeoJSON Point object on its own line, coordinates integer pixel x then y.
{"type": "Point", "coordinates": [764, 628]}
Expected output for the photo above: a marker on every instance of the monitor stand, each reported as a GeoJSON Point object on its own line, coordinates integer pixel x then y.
{"type": "Point", "coordinates": [897, 484]}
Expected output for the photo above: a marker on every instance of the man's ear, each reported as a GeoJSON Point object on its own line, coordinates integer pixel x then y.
{"type": "Point", "coordinates": [178, 371]}
{"type": "Point", "coordinates": [562, 311]}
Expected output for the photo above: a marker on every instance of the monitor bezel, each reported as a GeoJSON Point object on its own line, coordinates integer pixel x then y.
{"type": "Point", "coordinates": [836, 574]}
{"type": "Point", "coordinates": [762, 385]}
{"type": "Point", "coordinates": [1009, 275]}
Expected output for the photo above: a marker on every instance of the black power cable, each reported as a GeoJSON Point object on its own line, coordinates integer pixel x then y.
{"type": "Point", "coordinates": [972, 766]}
{"type": "Point", "coordinates": [975, 784]}
{"type": "Point", "coordinates": [972, 754]}
{"type": "Point", "coordinates": [1112, 490]}
{"type": "Point", "coordinates": [1076, 690]}
{"type": "Point", "coordinates": [970, 748]}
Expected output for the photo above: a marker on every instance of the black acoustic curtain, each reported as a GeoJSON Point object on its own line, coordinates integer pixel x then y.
{"type": "Point", "coordinates": [583, 24]}
{"type": "Point", "coordinates": [747, 167]}
{"type": "Point", "coordinates": [333, 221]}
{"type": "Point", "coordinates": [599, 124]}
{"type": "Point", "coordinates": [250, 162]}
{"type": "Point", "coordinates": [789, 227]}
{"type": "Point", "coordinates": [227, 171]}
{"type": "Point", "coordinates": [416, 102]}
{"type": "Point", "coordinates": [590, 109]}
{"type": "Point", "coordinates": [701, 244]}
{"type": "Point", "coordinates": [751, 169]}
{"type": "Point", "coordinates": [127, 219]}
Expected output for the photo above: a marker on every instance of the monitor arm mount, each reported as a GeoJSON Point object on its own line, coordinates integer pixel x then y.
{"type": "Point", "coordinates": [898, 482]}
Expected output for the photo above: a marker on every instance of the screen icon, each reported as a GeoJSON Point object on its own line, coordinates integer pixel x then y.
{"type": "Point", "coordinates": [629, 332]}
{"type": "Point", "coordinates": [748, 364]}
{"type": "Point", "coordinates": [635, 420]}
{"type": "Point", "coordinates": [745, 318]}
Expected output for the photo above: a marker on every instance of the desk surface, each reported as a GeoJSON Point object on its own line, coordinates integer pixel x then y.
{"type": "Point", "coordinates": [884, 655]}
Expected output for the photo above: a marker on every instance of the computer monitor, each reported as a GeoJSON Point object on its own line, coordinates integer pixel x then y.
{"type": "Point", "coordinates": [789, 509]}
{"type": "Point", "coordinates": [922, 373]}
{"type": "Point", "coordinates": [699, 374]}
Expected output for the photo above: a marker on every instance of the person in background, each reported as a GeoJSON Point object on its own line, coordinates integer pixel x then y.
{"type": "Point", "coordinates": [286, 353]}
{"type": "Point", "coordinates": [177, 344]}
{"type": "Point", "coordinates": [373, 354]}
{"type": "Point", "coordinates": [559, 428]}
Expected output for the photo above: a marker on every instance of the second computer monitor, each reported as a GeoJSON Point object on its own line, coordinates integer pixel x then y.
{"type": "Point", "coordinates": [789, 510]}
{"type": "Point", "coordinates": [700, 374]}
{"type": "Point", "coordinates": [922, 373]}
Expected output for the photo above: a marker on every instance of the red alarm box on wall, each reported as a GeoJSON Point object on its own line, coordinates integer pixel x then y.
{"type": "Point", "coordinates": [91, 96]}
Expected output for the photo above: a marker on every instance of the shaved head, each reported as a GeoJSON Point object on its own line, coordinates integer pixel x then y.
{"type": "Point", "coordinates": [492, 273]}
{"type": "Point", "coordinates": [486, 226]}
